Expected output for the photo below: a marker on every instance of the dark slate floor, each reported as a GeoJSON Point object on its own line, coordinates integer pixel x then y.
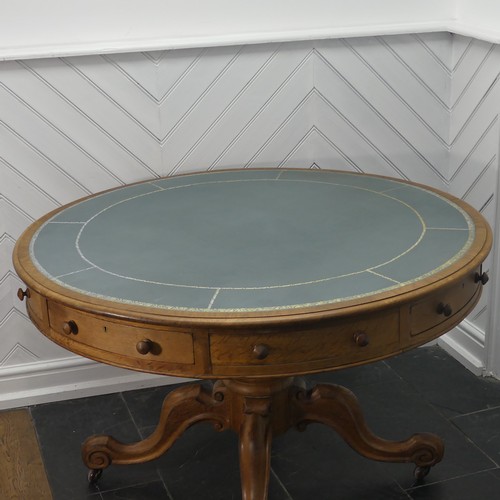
{"type": "Point", "coordinates": [424, 390]}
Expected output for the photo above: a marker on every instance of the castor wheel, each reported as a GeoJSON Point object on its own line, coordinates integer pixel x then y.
{"type": "Point", "coordinates": [420, 472]}
{"type": "Point", "coordinates": [94, 475]}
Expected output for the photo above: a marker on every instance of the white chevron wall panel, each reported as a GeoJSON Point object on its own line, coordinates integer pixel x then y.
{"type": "Point", "coordinates": [358, 149]}
{"type": "Point", "coordinates": [469, 56]}
{"type": "Point", "coordinates": [110, 144]}
{"type": "Point", "coordinates": [404, 83]}
{"type": "Point", "coordinates": [157, 73]}
{"type": "Point", "coordinates": [419, 107]}
{"type": "Point", "coordinates": [245, 119]}
{"type": "Point", "coordinates": [473, 169]}
{"type": "Point", "coordinates": [286, 108]}
{"type": "Point", "coordinates": [378, 113]}
{"type": "Point", "coordinates": [426, 57]}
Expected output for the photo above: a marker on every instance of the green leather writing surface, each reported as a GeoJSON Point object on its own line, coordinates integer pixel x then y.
{"type": "Point", "coordinates": [251, 240]}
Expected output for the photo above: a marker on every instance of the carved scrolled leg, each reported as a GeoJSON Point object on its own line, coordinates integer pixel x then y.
{"type": "Point", "coordinates": [338, 408]}
{"type": "Point", "coordinates": [182, 408]}
{"type": "Point", "coordinates": [255, 451]}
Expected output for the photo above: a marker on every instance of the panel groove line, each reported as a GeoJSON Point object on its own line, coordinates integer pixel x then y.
{"type": "Point", "coordinates": [487, 203]}
{"type": "Point", "coordinates": [181, 77]}
{"type": "Point", "coordinates": [26, 179]}
{"type": "Point", "coordinates": [457, 61]}
{"type": "Point", "coordinates": [129, 77]}
{"type": "Point", "coordinates": [476, 109]}
{"type": "Point", "coordinates": [154, 60]}
{"type": "Point", "coordinates": [479, 177]}
{"type": "Point", "coordinates": [27, 218]}
{"type": "Point", "coordinates": [335, 147]}
{"type": "Point", "coordinates": [444, 65]}
{"type": "Point", "coordinates": [296, 148]}
{"type": "Point", "coordinates": [165, 89]}
{"type": "Point", "coordinates": [471, 149]}
{"type": "Point", "coordinates": [471, 80]}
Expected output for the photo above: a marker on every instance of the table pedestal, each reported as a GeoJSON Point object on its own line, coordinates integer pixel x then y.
{"type": "Point", "coordinates": [258, 409]}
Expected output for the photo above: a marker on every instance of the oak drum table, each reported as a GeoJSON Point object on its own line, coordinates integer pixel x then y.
{"type": "Point", "coordinates": [252, 278]}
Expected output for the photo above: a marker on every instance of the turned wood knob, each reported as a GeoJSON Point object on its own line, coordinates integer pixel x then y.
{"type": "Point", "coordinates": [23, 293]}
{"type": "Point", "coordinates": [361, 339]}
{"type": "Point", "coordinates": [483, 278]}
{"type": "Point", "coordinates": [444, 309]}
{"type": "Point", "coordinates": [261, 351]}
{"type": "Point", "coordinates": [144, 346]}
{"type": "Point", "coordinates": [70, 327]}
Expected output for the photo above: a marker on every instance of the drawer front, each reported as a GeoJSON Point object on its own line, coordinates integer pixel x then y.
{"type": "Point", "coordinates": [171, 346]}
{"type": "Point", "coordinates": [441, 306]}
{"type": "Point", "coordinates": [37, 306]}
{"type": "Point", "coordinates": [336, 344]}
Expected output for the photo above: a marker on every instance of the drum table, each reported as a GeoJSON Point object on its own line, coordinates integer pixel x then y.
{"type": "Point", "coordinates": [251, 278]}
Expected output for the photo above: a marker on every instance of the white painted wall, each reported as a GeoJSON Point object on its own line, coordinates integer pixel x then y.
{"type": "Point", "coordinates": [30, 28]}
{"type": "Point", "coordinates": [478, 18]}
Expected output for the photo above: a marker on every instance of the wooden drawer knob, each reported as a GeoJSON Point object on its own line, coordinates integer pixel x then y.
{"type": "Point", "coordinates": [483, 278]}
{"type": "Point", "coordinates": [444, 309]}
{"type": "Point", "coordinates": [144, 346]}
{"type": "Point", "coordinates": [261, 351]}
{"type": "Point", "coordinates": [361, 339]}
{"type": "Point", "coordinates": [70, 327]}
{"type": "Point", "coordinates": [23, 293]}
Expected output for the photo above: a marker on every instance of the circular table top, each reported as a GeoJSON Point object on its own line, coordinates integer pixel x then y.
{"type": "Point", "coordinates": [247, 241]}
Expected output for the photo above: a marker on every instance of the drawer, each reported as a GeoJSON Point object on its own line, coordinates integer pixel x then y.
{"type": "Point", "coordinates": [335, 343]}
{"type": "Point", "coordinates": [120, 338]}
{"type": "Point", "coordinates": [441, 306]}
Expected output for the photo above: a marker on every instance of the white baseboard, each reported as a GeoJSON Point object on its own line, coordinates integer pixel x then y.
{"type": "Point", "coordinates": [466, 344]}
{"type": "Point", "coordinates": [69, 378]}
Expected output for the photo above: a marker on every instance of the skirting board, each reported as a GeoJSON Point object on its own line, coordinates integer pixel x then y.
{"type": "Point", "coordinates": [69, 378]}
{"type": "Point", "coordinates": [466, 344]}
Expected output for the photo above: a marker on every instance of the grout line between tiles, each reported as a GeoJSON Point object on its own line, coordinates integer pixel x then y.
{"type": "Point", "coordinates": [143, 437]}
{"type": "Point", "coordinates": [475, 412]}
{"type": "Point", "coordinates": [281, 484]}
{"type": "Point", "coordinates": [131, 416]}
{"type": "Point", "coordinates": [413, 488]}
{"type": "Point", "coordinates": [473, 443]}
{"type": "Point", "coordinates": [118, 490]}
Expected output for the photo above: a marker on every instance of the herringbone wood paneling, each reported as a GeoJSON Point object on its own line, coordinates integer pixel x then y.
{"type": "Point", "coordinates": [419, 107]}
